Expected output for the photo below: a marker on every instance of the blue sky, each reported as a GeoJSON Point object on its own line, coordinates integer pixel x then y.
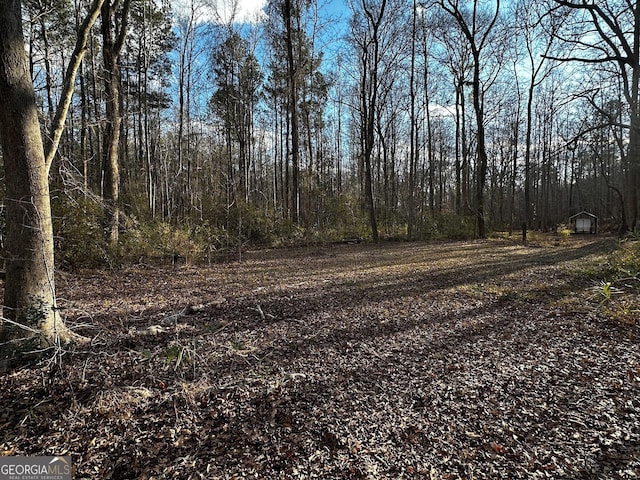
{"type": "Point", "coordinates": [248, 10]}
{"type": "Point", "coordinates": [334, 17]}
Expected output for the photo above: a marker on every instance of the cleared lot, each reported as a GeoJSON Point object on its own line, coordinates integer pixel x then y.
{"type": "Point", "coordinates": [455, 360]}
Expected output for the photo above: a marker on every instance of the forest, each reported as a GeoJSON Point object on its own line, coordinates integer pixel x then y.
{"type": "Point", "coordinates": [192, 131]}
{"type": "Point", "coordinates": [321, 239]}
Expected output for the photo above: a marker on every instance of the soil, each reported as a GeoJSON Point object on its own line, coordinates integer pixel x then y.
{"type": "Point", "coordinates": [465, 360]}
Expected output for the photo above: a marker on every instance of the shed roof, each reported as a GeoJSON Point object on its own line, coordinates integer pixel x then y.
{"type": "Point", "coordinates": [582, 213]}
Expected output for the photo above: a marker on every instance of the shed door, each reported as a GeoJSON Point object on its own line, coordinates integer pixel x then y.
{"type": "Point", "coordinates": [583, 225]}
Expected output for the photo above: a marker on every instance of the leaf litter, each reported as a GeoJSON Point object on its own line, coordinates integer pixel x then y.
{"type": "Point", "coordinates": [463, 360]}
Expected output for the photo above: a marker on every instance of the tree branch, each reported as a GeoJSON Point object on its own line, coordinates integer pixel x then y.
{"type": "Point", "coordinates": [608, 59]}
{"type": "Point", "coordinates": [57, 127]}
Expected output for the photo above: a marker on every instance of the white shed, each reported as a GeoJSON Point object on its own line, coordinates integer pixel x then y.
{"type": "Point", "coordinates": [584, 222]}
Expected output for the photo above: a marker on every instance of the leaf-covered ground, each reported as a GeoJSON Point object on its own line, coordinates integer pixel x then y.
{"type": "Point", "coordinates": [442, 361]}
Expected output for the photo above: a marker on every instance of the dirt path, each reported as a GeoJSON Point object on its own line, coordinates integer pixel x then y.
{"type": "Point", "coordinates": [457, 360]}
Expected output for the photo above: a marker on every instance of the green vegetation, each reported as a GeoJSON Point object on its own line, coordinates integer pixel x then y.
{"type": "Point", "coordinates": [624, 263]}
{"type": "Point", "coordinates": [618, 290]}
{"type": "Point", "coordinates": [224, 233]}
{"type": "Point", "coordinates": [79, 240]}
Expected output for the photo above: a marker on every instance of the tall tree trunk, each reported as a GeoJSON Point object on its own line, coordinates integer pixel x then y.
{"type": "Point", "coordinates": [369, 86]}
{"type": "Point", "coordinates": [413, 134]}
{"type": "Point", "coordinates": [527, 157]}
{"type": "Point", "coordinates": [293, 112]}
{"type": "Point", "coordinates": [458, 162]}
{"type": "Point", "coordinates": [113, 33]}
{"type": "Point", "coordinates": [430, 149]}
{"type": "Point", "coordinates": [481, 168]}
{"type": "Point", "coordinates": [29, 296]}
{"type": "Point", "coordinates": [477, 41]}
{"type": "Point", "coordinates": [462, 165]}
{"type": "Point", "coordinates": [84, 129]}
{"type": "Point", "coordinates": [47, 68]}
{"type": "Point", "coordinates": [111, 142]}
{"type": "Point", "coordinates": [634, 130]}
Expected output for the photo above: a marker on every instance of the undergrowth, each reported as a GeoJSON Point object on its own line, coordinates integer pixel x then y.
{"type": "Point", "coordinates": [618, 290]}
{"type": "Point", "coordinates": [223, 234]}
{"type": "Point", "coordinates": [624, 263]}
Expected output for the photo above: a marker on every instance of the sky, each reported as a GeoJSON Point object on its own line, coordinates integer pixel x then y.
{"type": "Point", "coordinates": [248, 11]}
{"type": "Point", "coordinates": [333, 16]}
{"type": "Point", "coordinates": [250, 8]}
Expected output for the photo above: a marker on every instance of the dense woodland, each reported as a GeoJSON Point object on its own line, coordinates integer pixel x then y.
{"type": "Point", "coordinates": [142, 129]}
{"type": "Point", "coordinates": [194, 131]}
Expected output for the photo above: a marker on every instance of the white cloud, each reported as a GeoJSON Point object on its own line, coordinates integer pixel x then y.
{"type": "Point", "coordinates": [222, 11]}
{"type": "Point", "coordinates": [442, 110]}
{"type": "Point", "coordinates": [248, 11]}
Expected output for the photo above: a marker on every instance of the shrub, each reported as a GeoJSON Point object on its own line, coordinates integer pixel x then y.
{"type": "Point", "coordinates": [446, 226]}
{"type": "Point", "coordinates": [160, 240]}
{"type": "Point", "coordinates": [563, 231]}
{"type": "Point", "coordinates": [345, 218]}
{"type": "Point", "coordinates": [617, 294]}
{"type": "Point", "coordinates": [625, 261]}
{"type": "Point", "coordinates": [79, 238]}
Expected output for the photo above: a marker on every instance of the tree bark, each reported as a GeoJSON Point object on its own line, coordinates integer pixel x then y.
{"type": "Point", "coordinates": [113, 33]}
{"type": "Point", "coordinates": [30, 314]}
{"type": "Point", "coordinates": [481, 168]}
{"type": "Point", "coordinates": [369, 92]}
{"type": "Point", "coordinates": [292, 73]}
{"type": "Point", "coordinates": [413, 141]}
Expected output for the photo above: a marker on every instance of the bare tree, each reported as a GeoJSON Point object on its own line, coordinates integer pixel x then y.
{"type": "Point", "coordinates": [289, 16]}
{"type": "Point", "coordinates": [608, 33]}
{"type": "Point", "coordinates": [456, 57]}
{"type": "Point", "coordinates": [538, 25]}
{"type": "Point", "coordinates": [187, 33]}
{"type": "Point", "coordinates": [476, 27]}
{"type": "Point", "coordinates": [413, 135]}
{"type": "Point", "coordinates": [366, 33]}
